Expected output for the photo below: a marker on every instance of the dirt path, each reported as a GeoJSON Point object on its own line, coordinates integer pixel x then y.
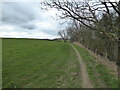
{"type": "Point", "coordinates": [85, 80]}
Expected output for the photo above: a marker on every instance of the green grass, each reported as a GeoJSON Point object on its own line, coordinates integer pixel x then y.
{"type": "Point", "coordinates": [98, 73]}
{"type": "Point", "coordinates": [39, 64]}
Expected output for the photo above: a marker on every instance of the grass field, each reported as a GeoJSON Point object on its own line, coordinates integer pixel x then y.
{"type": "Point", "coordinates": [28, 63]}
{"type": "Point", "coordinates": [39, 64]}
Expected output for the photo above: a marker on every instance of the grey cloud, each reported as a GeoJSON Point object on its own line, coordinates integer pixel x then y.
{"type": "Point", "coordinates": [29, 26]}
{"type": "Point", "coordinates": [18, 14]}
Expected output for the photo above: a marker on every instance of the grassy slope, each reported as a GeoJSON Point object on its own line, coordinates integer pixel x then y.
{"type": "Point", "coordinates": [99, 74]}
{"type": "Point", "coordinates": [39, 64]}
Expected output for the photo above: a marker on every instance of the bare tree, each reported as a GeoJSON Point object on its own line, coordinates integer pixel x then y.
{"type": "Point", "coordinates": [84, 12]}
{"type": "Point", "coordinates": [63, 35]}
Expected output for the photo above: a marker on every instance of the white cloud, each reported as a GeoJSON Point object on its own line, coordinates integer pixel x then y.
{"type": "Point", "coordinates": [51, 13]}
{"type": "Point", "coordinates": [21, 0]}
{"type": "Point", "coordinates": [39, 35]}
{"type": "Point", "coordinates": [46, 26]}
{"type": "Point", "coordinates": [10, 31]}
{"type": "Point", "coordinates": [43, 24]}
{"type": "Point", "coordinates": [7, 28]}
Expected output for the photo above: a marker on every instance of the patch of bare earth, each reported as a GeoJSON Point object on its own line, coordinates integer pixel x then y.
{"type": "Point", "coordinates": [84, 75]}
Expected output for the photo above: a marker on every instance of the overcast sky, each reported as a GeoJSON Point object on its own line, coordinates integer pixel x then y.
{"type": "Point", "coordinates": [26, 20]}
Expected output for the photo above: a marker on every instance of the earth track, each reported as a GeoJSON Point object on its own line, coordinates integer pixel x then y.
{"type": "Point", "coordinates": [85, 79]}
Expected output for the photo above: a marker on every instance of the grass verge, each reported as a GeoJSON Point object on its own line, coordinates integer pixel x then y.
{"type": "Point", "coordinates": [99, 74]}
